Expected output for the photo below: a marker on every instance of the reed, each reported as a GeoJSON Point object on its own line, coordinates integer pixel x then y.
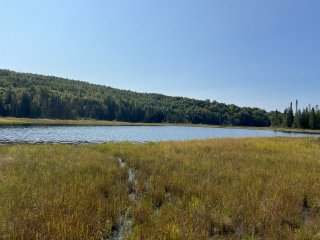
{"type": "Point", "coordinates": [254, 188]}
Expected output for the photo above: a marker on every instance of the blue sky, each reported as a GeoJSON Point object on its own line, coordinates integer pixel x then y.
{"type": "Point", "coordinates": [262, 53]}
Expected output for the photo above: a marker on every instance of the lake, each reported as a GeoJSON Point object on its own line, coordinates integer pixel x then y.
{"type": "Point", "coordinates": [101, 134]}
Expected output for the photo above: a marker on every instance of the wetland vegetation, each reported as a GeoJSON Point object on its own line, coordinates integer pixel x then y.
{"type": "Point", "coordinates": [253, 188]}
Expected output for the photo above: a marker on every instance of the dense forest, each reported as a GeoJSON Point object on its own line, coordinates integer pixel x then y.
{"type": "Point", "coordinates": [38, 96]}
{"type": "Point", "coordinates": [307, 118]}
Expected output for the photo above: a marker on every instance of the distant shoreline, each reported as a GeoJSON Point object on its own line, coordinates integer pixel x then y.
{"type": "Point", "coordinates": [10, 121]}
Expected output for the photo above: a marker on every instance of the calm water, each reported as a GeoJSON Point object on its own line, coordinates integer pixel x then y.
{"type": "Point", "coordinates": [100, 134]}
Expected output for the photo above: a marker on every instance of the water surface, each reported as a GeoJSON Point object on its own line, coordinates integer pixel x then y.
{"type": "Point", "coordinates": [101, 134]}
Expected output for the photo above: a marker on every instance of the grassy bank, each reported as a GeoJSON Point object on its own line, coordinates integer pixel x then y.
{"type": "Point", "coordinates": [258, 188]}
{"type": "Point", "coordinates": [9, 121]}
{"type": "Point", "coordinates": [56, 122]}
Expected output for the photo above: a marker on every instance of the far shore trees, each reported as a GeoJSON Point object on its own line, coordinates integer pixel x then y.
{"type": "Point", "coordinates": [308, 118]}
{"type": "Point", "coordinates": [37, 96]}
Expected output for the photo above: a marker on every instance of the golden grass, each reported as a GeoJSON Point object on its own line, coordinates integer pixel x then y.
{"type": "Point", "coordinates": [255, 188]}
{"type": "Point", "coordinates": [57, 191]}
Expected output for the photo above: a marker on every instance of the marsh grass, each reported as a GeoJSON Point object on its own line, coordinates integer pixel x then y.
{"type": "Point", "coordinates": [58, 192]}
{"type": "Point", "coordinates": [255, 188]}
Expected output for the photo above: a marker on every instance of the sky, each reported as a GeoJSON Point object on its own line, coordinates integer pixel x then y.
{"type": "Point", "coordinates": [254, 53]}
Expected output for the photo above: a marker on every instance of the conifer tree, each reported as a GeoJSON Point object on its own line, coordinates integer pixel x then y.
{"type": "Point", "coordinates": [290, 116]}
{"type": "Point", "coordinates": [25, 106]}
{"type": "Point", "coordinates": [312, 119]}
{"type": "Point", "coordinates": [2, 111]}
{"type": "Point", "coordinates": [275, 119]}
{"type": "Point", "coordinates": [296, 121]}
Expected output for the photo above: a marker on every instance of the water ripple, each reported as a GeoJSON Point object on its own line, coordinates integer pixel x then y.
{"type": "Point", "coordinates": [140, 134]}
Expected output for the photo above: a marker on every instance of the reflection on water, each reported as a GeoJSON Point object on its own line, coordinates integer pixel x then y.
{"type": "Point", "coordinates": [100, 134]}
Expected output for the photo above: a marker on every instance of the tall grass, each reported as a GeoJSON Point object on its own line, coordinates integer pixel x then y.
{"type": "Point", "coordinates": [58, 192]}
{"type": "Point", "coordinates": [257, 188]}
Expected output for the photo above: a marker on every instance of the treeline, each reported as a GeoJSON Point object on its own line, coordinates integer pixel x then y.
{"type": "Point", "coordinates": [307, 118]}
{"type": "Point", "coordinates": [38, 96]}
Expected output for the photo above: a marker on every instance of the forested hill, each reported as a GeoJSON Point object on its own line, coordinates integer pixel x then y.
{"type": "Point", "coordinates": [38, 96]}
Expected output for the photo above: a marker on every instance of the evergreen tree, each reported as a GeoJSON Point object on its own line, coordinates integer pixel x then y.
{"type": "Point", "coordinates": [312, 119]}
{"type": "Point", "coordinates": [290, 116]}
{"type": "Point", "coordinates": [296, 121]}
{"type": "Point", "coordinates": [275, 119]}
{"type": "Point", "coordinates": [25, 106]}
{"type": "Point", "coordinates": [11, 104]}
{"type": "Point", "coordinates": [304, 119]}
{"type": "Point", "coordinates": [317, 125]}
{"type": "Point", "coordinates": [2, 111]}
